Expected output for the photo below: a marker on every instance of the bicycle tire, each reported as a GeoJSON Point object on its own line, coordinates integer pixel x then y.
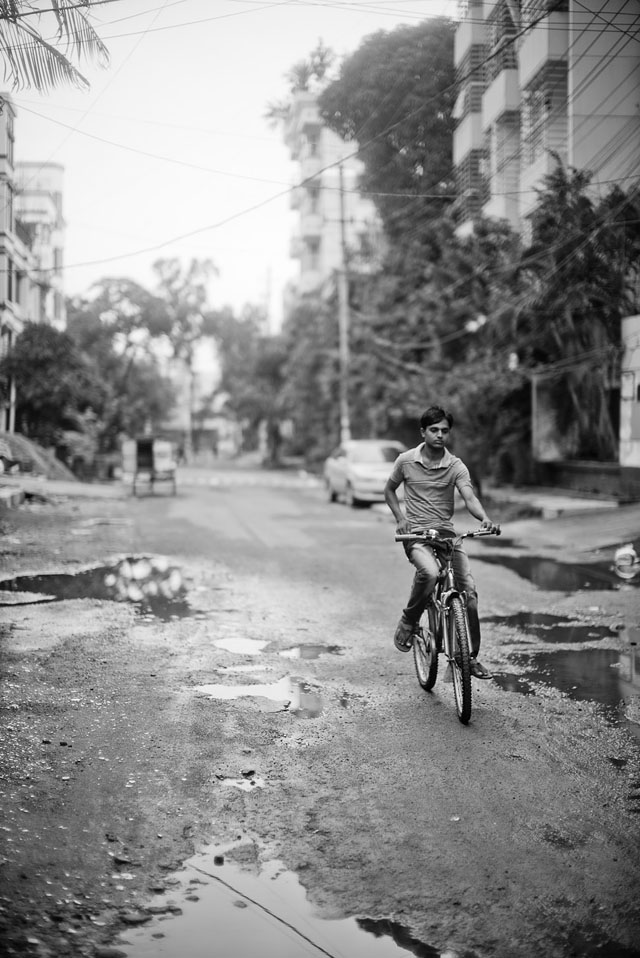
{"type": "Point", "coordinates": [425, 653]}
{"type": "Point", "coordinates": [461, 664]}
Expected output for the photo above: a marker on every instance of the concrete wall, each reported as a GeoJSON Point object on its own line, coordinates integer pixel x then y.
{"type": "Point", "coordinates": [630, 393]}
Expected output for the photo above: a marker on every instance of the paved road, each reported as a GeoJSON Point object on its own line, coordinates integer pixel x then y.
{"type": "Point", "coordinates": [368, 792]}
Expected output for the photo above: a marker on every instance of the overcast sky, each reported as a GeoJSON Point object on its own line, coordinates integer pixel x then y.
{"type": "Point", "coordinates": [169, 153]}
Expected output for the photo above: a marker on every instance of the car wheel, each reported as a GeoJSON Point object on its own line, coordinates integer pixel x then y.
{"type": "Point", "coordinates": [352, 501]}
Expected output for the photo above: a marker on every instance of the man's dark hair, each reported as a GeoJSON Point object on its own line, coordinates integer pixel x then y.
{"type": "Point", "coordinates": [433, 415]}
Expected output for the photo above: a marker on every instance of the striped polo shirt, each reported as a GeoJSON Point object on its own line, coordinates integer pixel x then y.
{"type": "Point", "coordinates": [429, 488]}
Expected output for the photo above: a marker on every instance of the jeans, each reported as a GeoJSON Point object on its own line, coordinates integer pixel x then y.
{"type": "Point", "coordinates": [424, 581]}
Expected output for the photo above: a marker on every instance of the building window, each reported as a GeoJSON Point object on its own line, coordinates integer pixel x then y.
{"type": "Point", "coordinates": [545, 113]}
{"type": "Point", "coordinates": [313, 140]}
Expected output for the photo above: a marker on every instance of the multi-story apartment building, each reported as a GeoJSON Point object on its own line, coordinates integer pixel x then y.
{"type": "Point", "coordinates": [39, 189]}
{"type": "Point", "coordinates": [332, 213]}
{"type": "Point", "coordinates": [540, 79]}
{"type": "Point", "coordinates": [31, 239]}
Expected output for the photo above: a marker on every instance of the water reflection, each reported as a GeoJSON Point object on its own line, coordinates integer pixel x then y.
{"type": "Point", "coordinates": [229, 911]}
{"type": "Point", "coordinates": [310, 651]}
{"type": "Point", "coordinates": [553, 576]}
{"type": "Point", "coordinates": [607, 676]}
{"type": "Point", "coordinates": [290, 695]}
{"type": "Point", "coordinates": [553, 628]}
{"type": "Point", "coordinates": [150, 583]}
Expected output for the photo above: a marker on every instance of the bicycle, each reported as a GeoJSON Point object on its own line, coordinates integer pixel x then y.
{"type": "Point", "coordinates": [445, 621]}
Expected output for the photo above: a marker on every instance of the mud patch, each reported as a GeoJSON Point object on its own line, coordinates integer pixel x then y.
{"type": "Point", "coordinates": [151, 584]}
{"type": "Point", "coordinates": [237, 909]}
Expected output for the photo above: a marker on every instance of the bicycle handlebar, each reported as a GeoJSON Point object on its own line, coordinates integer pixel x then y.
{"type": "Point", "coordinates": [432, 535]}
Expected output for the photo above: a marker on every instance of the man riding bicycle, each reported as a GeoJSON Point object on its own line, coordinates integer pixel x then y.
{"type": "Point", "coordinates": [431, 475]}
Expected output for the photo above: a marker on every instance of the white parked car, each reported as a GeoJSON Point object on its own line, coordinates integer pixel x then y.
{"type": "Point", "coordinates": [357, 470]}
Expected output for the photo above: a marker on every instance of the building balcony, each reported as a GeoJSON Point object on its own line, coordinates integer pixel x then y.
{"type": "Point", "coordinates": [469, 32]}
{"type": "Point", "coordinates": [546, 41]}
{"type": "Point", "coordinates": [467, 136]}
{"type": "Point", "coordinates": [501, 96]}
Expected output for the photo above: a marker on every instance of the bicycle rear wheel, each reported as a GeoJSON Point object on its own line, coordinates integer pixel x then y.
{"type": "Point", "coordinates": [461, 664]}
{"type": "Point", "coordinates": [425, 652]}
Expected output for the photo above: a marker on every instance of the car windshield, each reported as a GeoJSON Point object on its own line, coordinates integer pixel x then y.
{"type": "Point", "coordinates": [372, 452]}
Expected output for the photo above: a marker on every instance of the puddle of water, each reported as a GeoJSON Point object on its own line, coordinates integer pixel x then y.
{"type": "Point", "coordinates": [241, 646]}
{"type": "Point", "coordinates": [606, 676]}
{"type": "Point", "coordinates": [150, 583]}
{"type": "Point", "coordinates": [308, 652]}
{"type": "Point", "coordinates": [555, 576]}
{"type": "Point", "coordinates": [228, 911]}
{"type": "Point", "coordinates": [553, 628]}
{"type": "Point", "coordinates": [291, 695]}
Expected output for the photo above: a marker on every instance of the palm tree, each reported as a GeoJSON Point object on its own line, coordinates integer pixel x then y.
{"type": "Point", "coordinates": [30, 60]}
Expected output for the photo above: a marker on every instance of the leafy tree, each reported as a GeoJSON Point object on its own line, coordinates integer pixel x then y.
{"type": "Point", "coordinates": [580, 274]}
{"type": "Point", "coordinates": [185, 317]}
{"type": "Point", "coordinates": [310, 396]}
{"type": "Point", "coordinates": [394, 96]}
{"type": "Point", "coordinates": [30, 59]}
{"type": "Point", "coordinates": [54, 380]}
{"type": "Point", "coordinates": [303, 75]}
{"type": "Point", "coordinates": [117, 330]}
{"type": "Point", "coordinates": [251, 377]}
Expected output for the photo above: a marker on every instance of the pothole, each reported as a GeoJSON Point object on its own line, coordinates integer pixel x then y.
{"type": "Point", "coordinates": [608, 677]}
{"type": "Point", "coordinates": [553, 576]}
{"type": "Point", "coordinates": [553, 628]}
{"type": "Point", "coordinates": [309, 651]}
{"type": "Point", "coordinates": [290, 695]}
{"type": "Point", "coordinates": [261, 912]}
{"type": "Point", "coordinates": [150, 583]}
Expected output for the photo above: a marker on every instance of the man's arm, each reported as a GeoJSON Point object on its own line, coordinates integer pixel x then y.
{"type": "Point", "coordinates": [391, 499]}
{"type": "Point", "coordinates": [475, 507]}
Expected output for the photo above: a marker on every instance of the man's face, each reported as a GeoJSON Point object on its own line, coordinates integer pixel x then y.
{"type": "Point", "coordinates": [436, 435]}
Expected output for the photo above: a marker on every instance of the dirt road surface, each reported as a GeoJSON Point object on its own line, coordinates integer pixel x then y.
{"type": "Point", "coordinates": [255, 716]}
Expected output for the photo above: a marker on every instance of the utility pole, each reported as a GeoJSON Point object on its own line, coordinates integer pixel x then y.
{"type": "Point", "coordinates": [343, 324]}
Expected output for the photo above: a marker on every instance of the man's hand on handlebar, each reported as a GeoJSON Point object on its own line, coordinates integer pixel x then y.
{"type": "Point", "coordinates": [488, 526]}
{"type": "Point", "coordinates": [403, 528]}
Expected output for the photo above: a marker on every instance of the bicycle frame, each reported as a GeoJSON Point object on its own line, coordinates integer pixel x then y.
{"type": "Point", "coordinates": [448, 630]}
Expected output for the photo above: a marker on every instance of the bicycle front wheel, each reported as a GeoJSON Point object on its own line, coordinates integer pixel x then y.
{"type": "Point", "coordinates": [461, 663]}
{"type": "Point", "coordinates": [425, 652]}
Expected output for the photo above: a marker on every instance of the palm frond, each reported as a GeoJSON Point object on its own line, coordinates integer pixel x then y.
{"type": "Point", "coordinates": [76, 29]}
{"type": "Point", "coordinates": [31, 61]}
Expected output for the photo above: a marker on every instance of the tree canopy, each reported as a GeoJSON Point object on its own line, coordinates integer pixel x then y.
{"type": "Point", "coordinates": [394, 97]}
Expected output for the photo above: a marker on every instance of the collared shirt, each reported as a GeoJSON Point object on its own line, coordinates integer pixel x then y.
{"type": "Point", "coordinates": [429, 488]}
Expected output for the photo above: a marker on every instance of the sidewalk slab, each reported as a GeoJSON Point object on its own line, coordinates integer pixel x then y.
{"type": "Point", "coordinates": [578, 532]}
{"type": "Point", "coordinates": [58, 487]}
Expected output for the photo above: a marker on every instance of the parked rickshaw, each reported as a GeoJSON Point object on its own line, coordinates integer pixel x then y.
{"type": "Point", "coordinates": [149, 461]}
